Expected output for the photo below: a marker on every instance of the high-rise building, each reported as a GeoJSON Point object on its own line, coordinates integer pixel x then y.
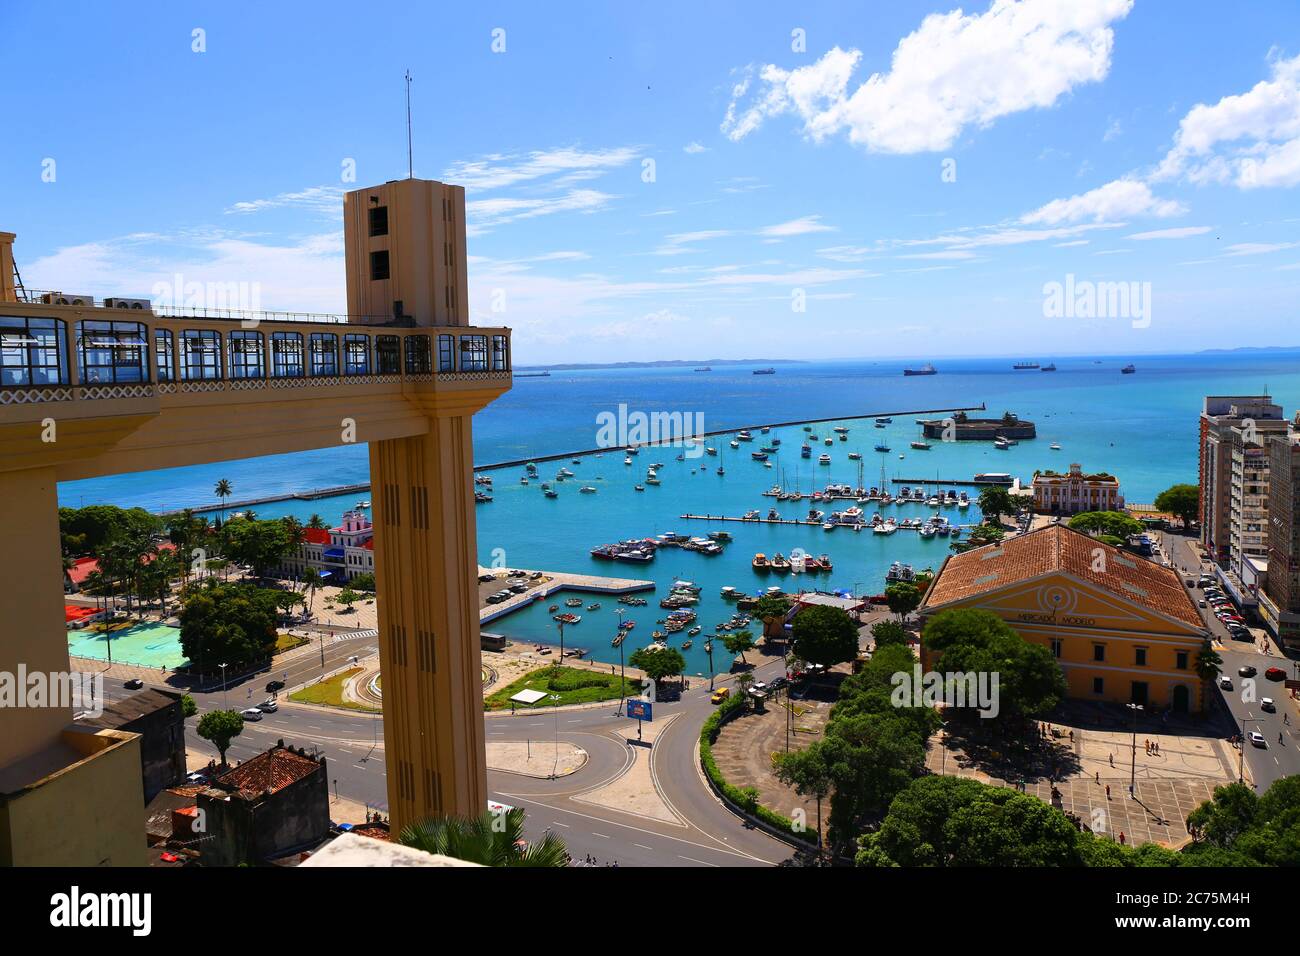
{"type": "Point", "coordinates": [1279, 602]}
{"type": "Point", "coordinates": [1234, 431]}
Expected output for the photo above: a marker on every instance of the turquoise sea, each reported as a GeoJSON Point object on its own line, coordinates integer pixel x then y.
{"type": "Point", "coordinates": [1141, 427]}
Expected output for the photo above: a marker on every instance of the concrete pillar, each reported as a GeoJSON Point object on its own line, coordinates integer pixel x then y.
{"type": "Point", "coordinates": [32, 631]}
{"type": "Point", "coordinates": [426, 573]}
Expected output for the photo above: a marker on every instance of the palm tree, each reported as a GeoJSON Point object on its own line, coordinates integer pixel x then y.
{"type": "Point", "coordinates": [162, 571]}
{"type": "Point", "coordinates": [493, 839]}
{"type": "Point", "coordinates": [222, 491]}
{"type": "Point", "coordinates": [311, 580]}
{"type": "Point", "coordinates": [316, 522]}
{"type": "Point", "coordinates": [743, 680]}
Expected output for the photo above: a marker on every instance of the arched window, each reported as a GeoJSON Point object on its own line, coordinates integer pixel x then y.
{"type": "Point", "coordinates": [356, 354]}
{"type": "Point", "coordinates": [324, 354]}
{"type": "Point", "coordinates": [419, 359]}
{"type": "Point", "coordinates": [110, 352]}
{"type": "Point", "coordinates": [247, 355]}
{"type": "Point", "coordinates": [32, 351]}
{"type": "Point", "coordinates": [200, 354]}
{"type": "Point", "coordinates": [286, 355]}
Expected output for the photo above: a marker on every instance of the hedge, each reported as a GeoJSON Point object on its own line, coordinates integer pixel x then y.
{"type": "Point", "coordinates": [746, 798]}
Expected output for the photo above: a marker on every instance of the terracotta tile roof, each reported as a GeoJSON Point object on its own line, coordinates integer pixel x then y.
{"type": "Point", "coordinates": [81, 569]}
{"type": "Point", "coordinates": [1057, 548]}
{"type": "Point", "coordinates": [316, 535]}
{"type": "Point", "coordinates": [271, 771]}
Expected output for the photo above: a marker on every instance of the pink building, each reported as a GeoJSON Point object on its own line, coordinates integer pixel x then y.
{"type": "Point", "coordinates": [339, 554]}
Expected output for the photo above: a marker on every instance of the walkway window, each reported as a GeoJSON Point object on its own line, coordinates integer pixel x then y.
{"type": "Point", "coordinates": [500, 353]}
{"type": "Point", "coordinates": [286, 355]}
{"type": "Point", "coordinates": [419, 356]}
{"type": "Point", "coordinates": [324, 354]}
{"type": "Point", "coordinates": [356, 354]}
{"type": "Point", "coordinates": [473, 353]}
{"type": "Point", "coordinates": [111, 352]}
{"type": "Point", "coordinates": [31, 352]}
{"type": "Point", "coordinates": [446, 353]}
{"type": "Point", "coordinates": [388, 356]}
{"type": "Point", "coordinates": [200, 354]}
{"type": "Point", "coordinates": [164, 356]}
{"type": "Point", "coordinates": [247, 356]}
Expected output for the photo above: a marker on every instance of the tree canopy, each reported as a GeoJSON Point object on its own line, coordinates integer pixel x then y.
{"type": "Point", "coordinates": [737, 642]}
{"type": "Point", "coordinates": [658, 662]}
{"type": "Point", "coordinates": [995, 501]}
{"type": "Point", "coordinates": [230, 623]}
{"type": "Point", "coordinates": [220, 727]}
{"type": "Point", "coordinates": [1115, 524]}
{"type": "Point", "coordinates": [261, 545]}
{"type": "Point", "coordinates": [1181, 501]}
{"type": "Point", "coordinates": [825, 635]}
{"type": "Point", "coordinates": [903, 598]}
{"type": "Point", "coordinates": [89, 529]}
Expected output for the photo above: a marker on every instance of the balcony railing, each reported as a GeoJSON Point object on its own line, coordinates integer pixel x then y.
{"type": "Point", "coordinates": [115, 354]}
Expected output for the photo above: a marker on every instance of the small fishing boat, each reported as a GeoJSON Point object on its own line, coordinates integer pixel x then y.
{"type": "Point", "coordinates": [587, 490]}
{"type": "Point", "coordinates": [573, 602]}
{"type": "Point", "coordinates": [882, 447]}
{"type": "Point", "coordinates": [638, 487]}
{"type": "Point", "coordinates": [760, 562]}
{"type": "Point", "coordinates": [593, 607]}
{"type": "Point", "coordinates": [854, 456]}
{"type": "Point", "coordinates": [1055, 446]}
{"type": "Point", "coordinates": [780, 563]}
{"type": "Point", "coordinates": [551, 493]}
{"type": "Point", "coordinates": [553, 608]}
{"type": "Point", "coordinates": [824, 460]}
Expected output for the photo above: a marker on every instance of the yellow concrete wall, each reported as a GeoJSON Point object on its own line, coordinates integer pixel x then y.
{"type": "Point", "coordinates": [89, 814]}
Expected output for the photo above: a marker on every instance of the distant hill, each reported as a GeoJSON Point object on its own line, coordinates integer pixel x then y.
{"type": "Point", "coordinates": [667, 363]}
{"type": "Point", "coordinates": [1250, 349]}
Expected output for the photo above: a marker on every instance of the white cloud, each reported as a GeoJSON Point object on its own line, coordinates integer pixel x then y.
{"type": "Point", "coordinates": [1180, 232]}
{"type": "Point", "coordinates": [1118, 199]}
{"type": "Point", "coordinates": [796, 227]}
{"type": "Point", "coordinates": [1250, 140]}
{"type": "Point", "coordinates": [1257, 248]}
{"type": "Point", "coordinates": [1072, 243]}
{"type": "Point", "coordinates": [484, 213]}
{"type": "Point", "coordinates": [327, 200]}
{"type": "Point", "coordinates": [848, 253]}
{"type": "Point", "coordinates": [498, 170]}
{"type": "Point", "coordinates": [694, 148]}
{"type": "Point", "coordinates": [955, 70]}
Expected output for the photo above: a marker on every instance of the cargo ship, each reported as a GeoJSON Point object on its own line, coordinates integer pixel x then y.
{"type": "Point", "coordinates": [926, 369]}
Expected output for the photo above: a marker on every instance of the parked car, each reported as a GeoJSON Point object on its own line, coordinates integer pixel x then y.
{"type": "Point", "coordinates": [1225, 683]}
{"type": "Point", "coordinates": [1202, 602]}
{"type": "Point", "coordinates": [134, 683]}
{"type": "Point", "coordinates": [485, 578]}
{"type": "Point", "coordinates": [252, 713]}
{"type": "Point", "coordinates": [1275, 673]}
{"type": "Point", "coordinates": [1266, 703]}
{"type": "Point", "coordinates": [1257, 739]}
{"type": "Point", "coordinates": [273, 685]}
{"type": "Point", "coordinates": [268, 707]}
{"type": "Point", "coordinates": [1191, 582]}
{"type": "Point", "coordinates": [1247, 670]}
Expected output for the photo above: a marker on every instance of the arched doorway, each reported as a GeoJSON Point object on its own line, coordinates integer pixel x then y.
{"type": "Point", "coordinates": [1182, 699]}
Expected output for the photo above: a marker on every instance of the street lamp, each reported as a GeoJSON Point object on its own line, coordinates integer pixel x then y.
{"type": "Point", "coordinates": [1132, 780]}
{"type": "Point", "coordinates": [555, 763]}
{"type": "Point", "coordinates": [622, 679]}
{"type": "Point", "coordinates": [225, 701]}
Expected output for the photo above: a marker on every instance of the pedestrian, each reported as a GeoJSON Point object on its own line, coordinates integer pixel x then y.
{"type": "Point", "coordinates": [1107, 791]}
{"type": "Point", "coordinates": [1097, 777]}
{"type": "Point", "coordinates": [1112, 760]}
{"type": "Point", "coordinates": [1148, 743]}
{"type": "Point", "coordinates": [1121, 837]}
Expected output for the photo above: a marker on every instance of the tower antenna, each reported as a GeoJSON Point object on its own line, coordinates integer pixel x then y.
{"type": "Point", "coordinates": [410, 158]}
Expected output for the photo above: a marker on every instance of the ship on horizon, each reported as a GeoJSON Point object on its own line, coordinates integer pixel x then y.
{"type": "Point", "coordinates": [926, 369]}
{"type": "Point", "coordinates": [1025, 365]}
{"type": "Point", "coordinates": [764, 371]}
{"type": "Point", "coordinates": [705, 368]}
{"type": "Point", "coordinates": [1128, 369]}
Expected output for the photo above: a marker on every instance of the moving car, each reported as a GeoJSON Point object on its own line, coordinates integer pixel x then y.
{"type": "Point", "coordinates": [273, 685]}
{"type": "Point", "coordinates": [268, 707]}
{"type": "Point", "coordinates": [1266, 703]}
{"type": "Point", "coordinates": [721, 694]}
{"type": "Point", "coordinates": [1225, 683]}
{"type": "Point", "coordinates": [1247, 670]}
{"type": "Point", "coordinates": [252, 713]}
{"type": "Point", "coordinates": [1257, 739]}
{"type": "Point", "coordinates": [134, 683]}
{"type": "Point", "coordinates": [1275, 673]}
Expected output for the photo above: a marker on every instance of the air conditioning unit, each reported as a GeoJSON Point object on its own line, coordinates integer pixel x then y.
{"type": "Point", "coordinates": [139, 304]}
{"type": "Point", "coordinates": [67, 298]}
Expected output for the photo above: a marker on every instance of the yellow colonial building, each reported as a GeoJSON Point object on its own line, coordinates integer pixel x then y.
{"type": "Point", "coordinates": [1122, 628]}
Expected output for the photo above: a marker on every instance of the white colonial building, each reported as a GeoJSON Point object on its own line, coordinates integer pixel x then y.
{"type": "Point", "coordinates": [339, 554]}
{"type": "Point", "coordinates": [1076, 491]}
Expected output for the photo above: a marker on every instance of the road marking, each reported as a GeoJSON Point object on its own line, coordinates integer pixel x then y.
{"type": "Point", "coordinates": [557, 823]}
{"type": "Point", "coordinates": [642, 846]}
{"type": "Point", "coordinates": [693, 860]}
{"type": "Point", "coordinates": [601, 835]}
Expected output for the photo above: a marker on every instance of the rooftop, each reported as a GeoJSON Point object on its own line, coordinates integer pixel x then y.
{"type": "Point", "coordinates": [1058, 548]}
{"type": "Point", "coordinates": [119, 713]}
{"type": "Point", "coordinates": [268, 772]}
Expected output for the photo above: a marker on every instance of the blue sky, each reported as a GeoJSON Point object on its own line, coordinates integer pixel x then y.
{"type": "Point", "coordinates": [696, 180]}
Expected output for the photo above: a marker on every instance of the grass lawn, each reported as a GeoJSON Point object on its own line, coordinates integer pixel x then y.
{"type": "Point", "coordinates": [330, 693]}
{"type": "Point", "coordinates": [574, 685]}
{"type": "Point", "coordinates": [287, 642]}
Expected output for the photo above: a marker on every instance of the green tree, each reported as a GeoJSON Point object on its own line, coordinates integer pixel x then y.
{"type": "Point", "coordinates": [1030, 682]}
{"type": "Point", "coordinates": [808, 772]}
{"type": "Point", "coordinates": [231, 623]}
{"type": "Point", "coordinates": [1181, 501]}
{"type": "Point", "coordinates": [260, 545]}
{"type": "Point", "coordinates": [1209, 664]}
{"type": "Point", "coordinates": [316, 523]}
{"type": "Point", "coordinates": [1115, 524]}
{"type": "Point", "coordinates": [737, 642]}
{"type": "Point", "coordinates": [221, 727]}
{"type": "Point", "coordinates": [311, 580]}
{"type": "Point", "coordinates": [188, 707]}
{"type": "Point", "coordinates": [658, 662]}
{"type": "Point", "coordinates": [493, 839]}
{"type": "Point", "coordinates": [365, 581]}
{"type": "Point", "coordinates": [825, 635]}
{"type": "Point", "coordinates": [347, 597]}
{"type": "Point", "coordinates": [903, 598]}
{"type": "Point", "coordinates": [222, 491]}
{"type": "Point", "coordinates": [770, 609]}
{"type": "Point", "coordinates": [886, 632]}
{"type": "Point", "coordinates": [995, 501]}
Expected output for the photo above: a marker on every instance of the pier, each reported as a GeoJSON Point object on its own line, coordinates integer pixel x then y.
{"type": "Point", "coordinates": [561, 581]}
{"type": "Point", "coordinates": [864, 525]}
